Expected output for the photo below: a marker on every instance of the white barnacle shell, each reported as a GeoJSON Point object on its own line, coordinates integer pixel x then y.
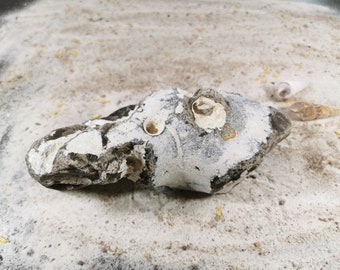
{"type": "Point", "coordinates": [208, 113]}
{"type": "Point", "coordinates": [154, 126]}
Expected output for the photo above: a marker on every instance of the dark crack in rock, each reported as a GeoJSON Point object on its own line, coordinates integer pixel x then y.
{"type": "Point", "coordinates": [201, 143]}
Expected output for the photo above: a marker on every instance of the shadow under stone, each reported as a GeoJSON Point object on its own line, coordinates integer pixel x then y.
{"type": "Point", "coordinates": [126, 187]}
{"type": "Point", "coordinates": [12, 5]}
{"type": "Point", "coordinates": [335, 4]}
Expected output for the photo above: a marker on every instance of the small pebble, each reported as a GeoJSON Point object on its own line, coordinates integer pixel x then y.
{"type": "Point", "coordinates": [323, 219]}
{"type": "Point", "coordinates": [257, 244]}
{"type": "Point", "coordinates": [3, 240]}
{"type": "Point", "coordinates": [218, 212]}
{"type": "Point", "coordinates": [103, 247]}
{"type": "Point", "coordinates": [147, 256]}
{"type": "Point", "coordinates": [30, 252]}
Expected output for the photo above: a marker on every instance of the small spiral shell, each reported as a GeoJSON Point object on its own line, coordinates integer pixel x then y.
{"type": "Point", "coordinates": [284, 90]}
{"type": "Point", "coordinates": [304, 111]}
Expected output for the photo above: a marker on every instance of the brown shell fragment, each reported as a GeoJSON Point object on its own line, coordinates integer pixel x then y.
{"type": "Point", "coordinates": [303, 111]}
{"type": "Point", "coordinates": [228, 132]}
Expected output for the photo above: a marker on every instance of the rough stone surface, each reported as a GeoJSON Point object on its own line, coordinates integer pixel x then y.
{"type": "Point", "coordinates": [201, 143]}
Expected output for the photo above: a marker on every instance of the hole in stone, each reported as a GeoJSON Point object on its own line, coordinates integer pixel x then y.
{"type": "Point", "coordinates": [283, 93]}
{"type": "Point", "coordinates": [153, 126]}
{"type": "Point", "coordinates": [150, 128]}
{"type": "Point", "coordinates": [135, 164]}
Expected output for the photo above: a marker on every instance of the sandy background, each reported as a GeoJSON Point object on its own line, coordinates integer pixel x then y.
{"type": "Point", "coordinates": [63, 62]}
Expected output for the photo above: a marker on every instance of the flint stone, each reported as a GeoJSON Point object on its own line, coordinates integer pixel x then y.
{"type": "Point", "coordinates": [201, 143]}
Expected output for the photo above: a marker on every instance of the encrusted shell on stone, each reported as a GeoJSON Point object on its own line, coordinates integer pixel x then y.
{"type": "Point", "coordinates": [201, 143]}
{"type": "Point", "coordinates": [208, 113]}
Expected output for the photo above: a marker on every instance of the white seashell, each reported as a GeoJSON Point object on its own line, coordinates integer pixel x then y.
{"type": "Point", "coordinates": [201, 142]}
{"type": "Point", "coordinates": [286, 89]}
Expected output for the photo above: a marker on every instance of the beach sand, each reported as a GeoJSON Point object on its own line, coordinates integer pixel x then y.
{"type": "Point", "coordinates": [64, 62]}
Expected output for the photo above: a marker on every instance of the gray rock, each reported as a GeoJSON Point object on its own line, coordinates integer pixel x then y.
{"type": "Point", "coordinates": [201, 143]}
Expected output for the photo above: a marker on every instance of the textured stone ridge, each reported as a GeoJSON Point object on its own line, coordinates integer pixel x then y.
{"type": "Point", "coordinates": [201, 143]}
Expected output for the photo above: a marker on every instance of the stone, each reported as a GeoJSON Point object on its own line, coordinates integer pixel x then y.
{"type": "Point", "coordinates": [202, 143]}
